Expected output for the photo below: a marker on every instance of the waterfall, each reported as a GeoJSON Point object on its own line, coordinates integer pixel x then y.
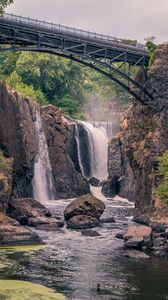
{"type": "Point", "coordinates": [43, 188]}
{"type": "Point", "coordinates": [97, 150]}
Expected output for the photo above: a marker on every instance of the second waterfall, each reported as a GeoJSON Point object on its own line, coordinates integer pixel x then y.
{"type": "Point", "coordinates": [92, 149]}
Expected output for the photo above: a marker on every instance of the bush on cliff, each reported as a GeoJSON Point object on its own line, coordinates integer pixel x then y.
{"type": "Point", "coordinates": [162, 190]}
{"type": "Point", "coordinates": [2, 161]}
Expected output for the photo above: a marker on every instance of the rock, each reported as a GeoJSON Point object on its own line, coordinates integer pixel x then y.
{"type": "Point", "coordinates": [85, 205]}
{"type": "Point", "coordinates": [11, 233]}
{"type": "Point", "coordinates": [136, 254]}
{"type": "Point", "coordinates": [38, 221]}
{"type": "Point", "coordinates": [90, 233]}
{"type": "Point", "coordinates": [159, 253]}
{"type": "Point", "coordinates": [27, 207]}
{"type": "Point", "coordinates": [138, 231]}
{"type": "Point", "coordinates": [166, 232]}
{"type": "Point", "coordinates": [82, 222]}
{"type": "Point", "coordinates": [119, 235]}
{"type": "Point", "coordinates": [68, 181]}
{"type": "Point", "coordinates": [158, 242]}
{"type": "Point", "coordinates": [48, 227]}
{"type": "Point", "coordinates": [133, 152]}
{"type": "Point", "coordinates": [107, 220]}
{"type": "Point", "coordinates": [5, 181]}
{"type": "Point", "coordinates": [17, 235]}
{"type": "Point", "coordinates": [134, 243]}
{"type": "Point", "coordinates": [157, 226]}
{"type": "Point", "coordinates": [94, 181]}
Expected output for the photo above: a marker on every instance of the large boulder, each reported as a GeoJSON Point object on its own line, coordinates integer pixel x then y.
{"type": "Point", "coordinates": [82, 222]}
{"type": "Point", "coordinates": [85, 205]}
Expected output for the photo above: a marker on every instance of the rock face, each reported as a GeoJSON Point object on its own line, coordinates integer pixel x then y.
{"type": "Point", "coordinates": [85, 205]}
{"type": "Point", "coordinates": [133, 152]}
{"type": "Point", "coordinates": [18, 138]}
{"type": "Point", "coordinates": [68, 182]}
{"type": "Point", "coordinates": [6, 168]}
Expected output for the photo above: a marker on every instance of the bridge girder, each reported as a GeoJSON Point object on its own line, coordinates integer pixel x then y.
{"type": "Point", "coordinates": [108, 60]}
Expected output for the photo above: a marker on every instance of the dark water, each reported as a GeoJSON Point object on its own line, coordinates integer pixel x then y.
{"type": "Point", "coordinates": [75, 264]}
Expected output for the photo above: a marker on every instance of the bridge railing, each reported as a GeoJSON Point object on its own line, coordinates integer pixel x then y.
{"type": "Point", "coordinates": [70, 30]}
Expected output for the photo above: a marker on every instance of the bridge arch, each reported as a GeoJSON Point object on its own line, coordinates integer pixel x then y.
{"type": "Point", "coordinates": [18, 34]}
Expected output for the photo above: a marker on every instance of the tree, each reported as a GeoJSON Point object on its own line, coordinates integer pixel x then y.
{"type": "Point", "coordinates": [4, 4]}
{"type": "Point", "coordinates": [151, 47]}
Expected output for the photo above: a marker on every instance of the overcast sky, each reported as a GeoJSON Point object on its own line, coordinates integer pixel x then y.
{"type": "Point", "coordinates": [135, 19]}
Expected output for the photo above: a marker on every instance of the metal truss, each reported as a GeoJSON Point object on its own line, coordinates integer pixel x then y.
{"type": "Point", "coordinates": [106, 55]}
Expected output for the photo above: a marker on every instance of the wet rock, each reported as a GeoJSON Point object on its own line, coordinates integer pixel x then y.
{"type": "Point", "coordinates": [82, 222]}
{"type": "Point", "coordinates": [85, 205]}
{"type": "Point", "coordinates": [158, 242]}
{"type": "Point", "coordinates": [48, 227]}
{"type": "Point", "coordinates": [166, 232]}
{"type": "Point", "coordinates": [136, 254]}
{"type": "Point", "coordinates": [27, 207]}
{"type": "Point", "coordinates": [11, 233]}
{"type": "Point", "coordinates": [107, 220]}
{"type": "Point", "coordinates": [90, 233]}
{"type": "Point", "coordinates": [94, 181]}
{"type": "Point", "coordinates": [119, 235]}
{"type": "Point", "coordinates": [138, 231]}
{"type": "Point", "coordinates": [159, 253]}
{"type": "Point", "coordinates": [134, 243]}
{"type": "Point", "coordinates": [158, 226]}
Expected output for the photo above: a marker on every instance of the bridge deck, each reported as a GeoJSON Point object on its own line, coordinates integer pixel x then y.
{"type": "Point", "coordinates": [26, 32]}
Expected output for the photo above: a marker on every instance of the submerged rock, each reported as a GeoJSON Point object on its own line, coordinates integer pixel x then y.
{"type": "Point", "coordinates": [90, 233]}
{"type": "Point", "coordinates": [134, 243]}
{"type": "Point", "coordinates": [136, 254]}
{"type": "Point", "coordinates": [85, 205]}
{"type": "Point", "coordinates": [107, 220]}
{"type": "Point", "coordinates": [82, 222]}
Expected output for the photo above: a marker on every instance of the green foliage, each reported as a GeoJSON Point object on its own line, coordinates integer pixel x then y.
{"type": "Point", "coordinates": [4, 4]}
{"type": "Point", "coordinates": [2, 161]}
{"type": "Point", "coordinates": [15, 81]}
{"type": "Point", "coordinates": [64, 83]}
{"type": "Point", "coordinates": [162, 190]}
{"type": "Point", "coordinates": [151, 47]}
{"type": "Point", "coordinates": [67, 104]}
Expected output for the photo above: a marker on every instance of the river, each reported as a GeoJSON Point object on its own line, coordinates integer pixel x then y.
{"type": "Point", "coordinates": [74, 264]}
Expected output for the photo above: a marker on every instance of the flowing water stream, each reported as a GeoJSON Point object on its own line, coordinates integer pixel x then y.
{"type": "Point", "coordinates": [73, 264]}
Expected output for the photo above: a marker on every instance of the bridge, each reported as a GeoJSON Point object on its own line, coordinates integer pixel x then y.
{"type": "Point", "coordinates": [110, 56]}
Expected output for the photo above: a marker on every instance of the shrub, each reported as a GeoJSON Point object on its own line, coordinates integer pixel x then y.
{"type": "Point", "coordinates": [162, 190]}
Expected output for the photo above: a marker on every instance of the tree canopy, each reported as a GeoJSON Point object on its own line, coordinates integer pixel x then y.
{"type": "Point", "coordinates": [4, 4]}
{"type": "Point", "coordinates": [51, 79]}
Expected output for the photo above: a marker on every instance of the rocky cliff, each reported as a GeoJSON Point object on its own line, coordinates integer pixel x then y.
{"type": "Point", "coordinates": [133, 152]}
{"type": "Point", "coordinates": [59, 132]}
{"type": "Point", "coordinates": [19, 141]}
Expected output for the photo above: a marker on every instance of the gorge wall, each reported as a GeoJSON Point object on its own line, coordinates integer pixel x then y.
{"type": "Point", "coordinates": [19, 144]}
{"type": "Point", "coordinates": [143, 137]}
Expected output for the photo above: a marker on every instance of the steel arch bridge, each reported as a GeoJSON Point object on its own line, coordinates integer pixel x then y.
{"type": "Point", "coordinates": [110, 56]}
